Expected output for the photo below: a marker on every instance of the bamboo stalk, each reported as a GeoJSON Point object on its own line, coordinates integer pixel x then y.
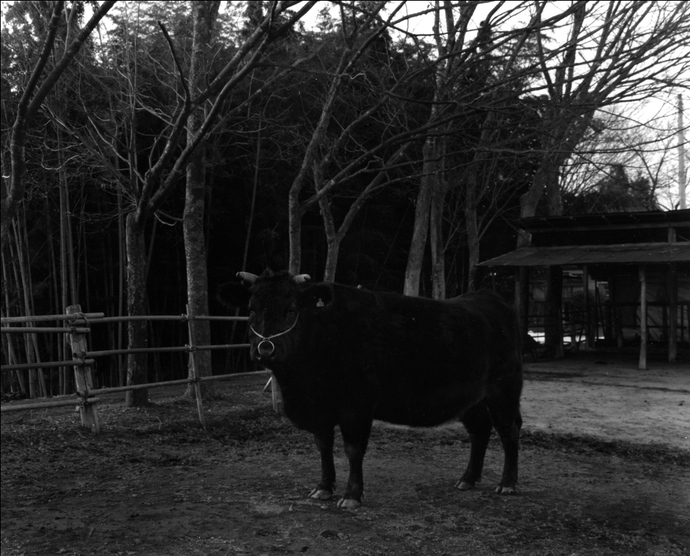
{"type": "Point", "coordinates": [19, 279]}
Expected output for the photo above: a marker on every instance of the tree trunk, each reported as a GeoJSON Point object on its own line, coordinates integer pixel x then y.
{"type": "Point", "coordinates": [195, 258]}
{"type": "Point", "coordinates": [295, 231]}
{"type": "Point", "coordinates": [438, 255]}
{"type": "Point", "coordinates": [333, 239]}
{"type": "Point", "coordinates": [204, 14]}
{"type": "Point", "coordinates": [332, 254]}
{"type": "Point", "coordinates": [556, 150]}
{"type": "Point", "coordinates": [137, 372]}
{"type": "Point", "coordinates": [545, 181]}
{"type": "Point", "coordinates": [472, 246]}
{"type": "Point", "coordinates": [529, 202]}
{"type": "Point", "coordinates": [415, 258]}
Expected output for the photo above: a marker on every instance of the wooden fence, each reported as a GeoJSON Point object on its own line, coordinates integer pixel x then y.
{"type": "Point", "coordinates": [77, 327]}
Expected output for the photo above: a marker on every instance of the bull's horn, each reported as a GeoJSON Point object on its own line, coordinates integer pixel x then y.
{"type": "Point", "coordinates": [247, 277]}
{"type": "Point", "coordinates": [301, 278]}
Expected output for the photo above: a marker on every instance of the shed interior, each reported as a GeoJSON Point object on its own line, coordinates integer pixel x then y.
{"type": "Point", "coordinates": [611, 280]}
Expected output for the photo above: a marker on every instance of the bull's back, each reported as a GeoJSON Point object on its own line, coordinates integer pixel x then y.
{"type": "Point", "coordinates": [442, 356]}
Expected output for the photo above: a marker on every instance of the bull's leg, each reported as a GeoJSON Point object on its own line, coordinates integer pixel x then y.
{"type": "Point", "coordinates": [355, 440]}
{"type": "Point", "coordinates": [506, 418]}
{"type": "Point", "coordinates": [477, 421]}
{"type": "Point", "coordinates": [324, 442]}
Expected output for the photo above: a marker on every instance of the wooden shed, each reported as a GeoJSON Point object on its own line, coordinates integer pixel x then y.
{"type": "Point", "coordinates": [639, 260]}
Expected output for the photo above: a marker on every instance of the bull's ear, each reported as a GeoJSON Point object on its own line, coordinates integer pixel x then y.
{"type": "Point", "coordinates": [234, 294]}
{"type": "Point", "coordinates": [320, 296]}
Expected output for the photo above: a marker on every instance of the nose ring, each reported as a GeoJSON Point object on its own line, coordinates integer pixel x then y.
{"type": "Point", "coordinates": [270, 348]}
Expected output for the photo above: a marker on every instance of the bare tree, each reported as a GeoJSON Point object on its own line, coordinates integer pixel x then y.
{"type": "Point", "coordinates": [642, 142]}
{"type": "Point", "coordinates": [203, 16]}
{"type": "Point", "coordinates": [615, 52]}
{"type": "Point", "coordinates": [478, 71]}
{"type": "Point", "coordinates": [337, 163]}
{"type": "Point", "coordinates": [173, 149]}
{"type": "Point", "coordinates": [32, 99]}
{"type": "Point", "coordinates": [321, 148]}
{"type": "Point", "coordinates": [432, 190]}
{"type": "Point", "coordinates": [156, 186]}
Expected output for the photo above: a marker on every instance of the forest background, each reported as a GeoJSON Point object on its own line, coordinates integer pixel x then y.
{"type": "Point", "coordinates": [150, 150]}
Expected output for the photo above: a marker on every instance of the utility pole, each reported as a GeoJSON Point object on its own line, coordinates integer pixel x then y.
{"type": "Point", "coordinates": [681, 153]}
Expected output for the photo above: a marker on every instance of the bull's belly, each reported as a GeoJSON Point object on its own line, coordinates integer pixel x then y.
{"type": "Point", "coordinates": [427, 409]}
{"type": "Point", "coordinates": [416, 418]}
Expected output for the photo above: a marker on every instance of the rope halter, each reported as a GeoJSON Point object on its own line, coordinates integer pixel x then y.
{"type": "Point", "coordinates": [267, 339]}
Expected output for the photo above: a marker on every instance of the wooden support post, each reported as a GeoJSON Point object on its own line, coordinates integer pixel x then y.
{"type": "Point", "coordinates": [554, 311]}
{"type": "Point", "coordinates": [643, 318]}
{"type": "Point", "coordinates": [672, 313]}
{"type": "Point", "coordinates": [82, 373]}
{"type": "Point", "coordinates": [589, 337]}
{"type": "Point", "coordinates": [195, 371]}
{"type": "Point", "coordinates": [574, 338]}
{"type": "Point", "coordinates": [616, 322]}
{"type": "Point", "coordinates": [522, 299]}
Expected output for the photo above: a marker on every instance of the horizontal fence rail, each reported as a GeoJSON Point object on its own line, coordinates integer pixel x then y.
{"type": "Point", "coordinates": [78, 326]}
{"type": "Point", "coordinates": [76, 399]}
{"type": "Point", "coordinates": [161, 350]}
{"type": "Point", "coordinates": [28, 329]}
{"type": "Point", "coordinates": [48, 318]}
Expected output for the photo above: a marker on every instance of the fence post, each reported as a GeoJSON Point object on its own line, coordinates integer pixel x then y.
{"type": "Point", "coordinates": [82, 373]}
{"type": "Point", "coordinates": [276, 394]}
{"type": "Point", "coordinates": [195, 371]}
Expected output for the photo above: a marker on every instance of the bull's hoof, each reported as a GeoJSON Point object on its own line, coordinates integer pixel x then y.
{"type": "Point", "coordinates": [464, 485]}
{"type": "Point", "coordinates": [320, 494]}
{"type": "Point", "coordinates": [505, 490]}
{"type": "Point", "coordinates": [349, 504]}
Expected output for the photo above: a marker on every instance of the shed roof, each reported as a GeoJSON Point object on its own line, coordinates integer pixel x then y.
{"type": "Point", "coordinates": [624, 253]}
{"type": "Point", "coordinates": [608, 221]}
{"type": "Point", "coordinates": [608, 228]}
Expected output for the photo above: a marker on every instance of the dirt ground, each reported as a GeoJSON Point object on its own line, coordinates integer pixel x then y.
{"type": "Point", "coordinates": [604, 469]}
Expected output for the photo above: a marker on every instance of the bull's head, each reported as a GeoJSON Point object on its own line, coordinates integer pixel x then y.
{"type": "Point", "coordinates": [280, 306]}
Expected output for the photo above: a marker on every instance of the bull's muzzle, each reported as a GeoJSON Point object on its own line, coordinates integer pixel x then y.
{"type": "Point", "coordinates": [266, 347]}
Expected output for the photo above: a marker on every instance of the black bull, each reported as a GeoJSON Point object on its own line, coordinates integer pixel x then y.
{"type": "Point", "coordinates": [346, 356]}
